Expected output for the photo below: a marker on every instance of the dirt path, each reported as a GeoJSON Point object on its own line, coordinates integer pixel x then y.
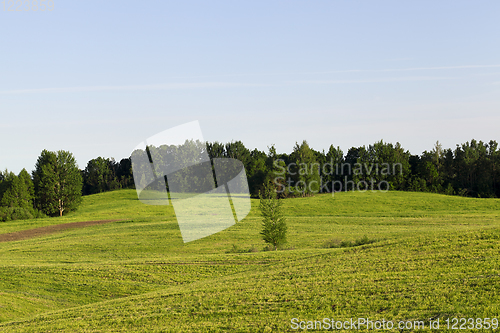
{"type": "Point", "coordinates": [31, 233]}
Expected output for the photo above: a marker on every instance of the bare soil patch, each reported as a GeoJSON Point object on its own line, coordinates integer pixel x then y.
{"type": "Point", "coordinates": [31, 233]}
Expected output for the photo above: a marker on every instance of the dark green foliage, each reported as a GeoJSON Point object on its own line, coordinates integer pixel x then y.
{"type": "Point", "coordinates": [257, 172]}
{"type": "Point", "coordinates": [19, 213]}
{"type": "Point", "coordinates": [99, 177]}
{"type": "Point", "coordinates": [472, 169]}
{"type": "Point", "coordinates": [19, 192]}
{"type": "Point", "coordinates": [335, 243]}
{"type": "Point", "coordinates": [351, 158]}
{"type": "Point", "coordinates": [105, 174]}
{"type": "Point", "coordinates": [429, 169]}
{"type": "Point", "coordinates": [274, 222]}
{"type": "Point", "coordinates": [15, 213]}
{"type": "Point", "coordinates": [305, 170]}
{"type": "Point", "coordinates": [476, 170]}
{"type": "Point", "coordinates": [216, 150]}
{"type": "Point", "coordinates": [124, 173]}
{"type": "Point", "coordinates": [16, 197]}
{"type": "Point", "coordinates": [256, 163]}
{"type": "Point", "coordinates": [238, 151]}
{"type": "Point", "coordinates": [8, 180]}
{"type": "Point", "coordinates": [3, 183]}
{"type": "Point", "coordinates": [382, 162]}
{"type": "Point", "coordinates": [58, 183]}
{"type": "Point", "coordinates": [333, 158]}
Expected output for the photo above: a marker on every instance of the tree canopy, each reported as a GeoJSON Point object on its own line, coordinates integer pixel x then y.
{"type": "Point", "coordinates": [56, 185]}
{"type": "Point", "coordinates": [58, 182]}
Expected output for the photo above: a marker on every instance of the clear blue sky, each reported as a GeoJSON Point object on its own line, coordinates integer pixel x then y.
{"type": "Point", "coordinates": [98, 77]}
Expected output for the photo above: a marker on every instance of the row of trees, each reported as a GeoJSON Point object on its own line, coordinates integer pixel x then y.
{"type": "Point", "coordinates": [54, 188]}
{"type": "Point", "coordinates": [105, 174]}
{"type": "Point", "coordinates": [17, 196]}
{"type": "Point", "coordinates": [472, 169]}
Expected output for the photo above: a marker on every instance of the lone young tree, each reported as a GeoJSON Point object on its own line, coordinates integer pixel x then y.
{"type": "Point", "coordinates": [273, 222]}
{"type": "Point", "coordinates": [58, 182]}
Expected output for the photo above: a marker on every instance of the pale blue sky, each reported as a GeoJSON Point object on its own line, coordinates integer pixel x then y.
{"type": "Point", "coordinates": [98, 77]}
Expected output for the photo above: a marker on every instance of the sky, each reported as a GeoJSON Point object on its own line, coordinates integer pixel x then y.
{"type": "Point", "coordinates": [96, 78]}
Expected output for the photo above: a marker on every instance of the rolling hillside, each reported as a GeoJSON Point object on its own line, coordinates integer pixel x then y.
{"type": "Point", "coordinates": [432, 256]}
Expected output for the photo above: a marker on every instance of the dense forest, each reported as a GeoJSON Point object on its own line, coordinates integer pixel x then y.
{"type": "Point", "coordinates": [472, 169]}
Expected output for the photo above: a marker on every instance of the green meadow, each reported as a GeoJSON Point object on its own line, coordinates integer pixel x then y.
{"type": "Point", "coordinates": [429, 257]}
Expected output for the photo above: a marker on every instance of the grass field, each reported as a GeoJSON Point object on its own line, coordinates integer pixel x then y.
{"type": "Point", "coordinates": [432, 256]}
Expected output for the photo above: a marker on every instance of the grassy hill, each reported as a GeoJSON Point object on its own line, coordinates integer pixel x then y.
{"type": "Point", "coordinates": [432, 256]}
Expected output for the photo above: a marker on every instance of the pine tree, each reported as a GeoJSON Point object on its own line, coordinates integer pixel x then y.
{"type": "Point", "coordinates": [274, 222]}
{"type": "Point", "coordinates": [20, 192]}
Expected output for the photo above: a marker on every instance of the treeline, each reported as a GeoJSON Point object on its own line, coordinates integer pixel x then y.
{"type": "Point", "coordinates": [105, 174]}
{"type": "Point", "coordinates": [56, 185]}
{"type": "Point", "coordinates": [471, 169]}
{"type": "Point", "coordinates": [54, 188]}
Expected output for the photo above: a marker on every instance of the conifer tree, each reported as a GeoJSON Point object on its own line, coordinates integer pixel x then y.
{"type": "Point", "coordinates": [20, 191]}
{"type": "Point", "coordinates": [274, 222]}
